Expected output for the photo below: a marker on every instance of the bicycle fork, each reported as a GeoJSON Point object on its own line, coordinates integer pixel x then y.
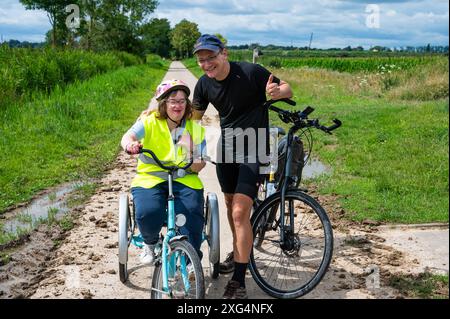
{"type": "Point", "coordinates": [169, 266]}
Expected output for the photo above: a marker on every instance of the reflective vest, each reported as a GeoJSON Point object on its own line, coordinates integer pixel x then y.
{"type": "Point", "coordinates": [159, 139]}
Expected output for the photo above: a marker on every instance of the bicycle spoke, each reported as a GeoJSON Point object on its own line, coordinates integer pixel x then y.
{"type": "Point", "coordinates": [183, 284]}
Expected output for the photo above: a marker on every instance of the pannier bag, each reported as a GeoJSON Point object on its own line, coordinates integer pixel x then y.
{"type": "Point", "coordinates": [297, 160]}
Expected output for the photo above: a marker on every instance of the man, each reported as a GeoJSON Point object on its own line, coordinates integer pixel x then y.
{"type": "Point", "coordinates": [237, 90]}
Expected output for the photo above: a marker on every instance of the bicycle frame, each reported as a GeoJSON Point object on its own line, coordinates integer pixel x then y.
{"type": "Point", "coordinates": [299, 121]}
{"type": "Point", "coordinates": [169, 266]}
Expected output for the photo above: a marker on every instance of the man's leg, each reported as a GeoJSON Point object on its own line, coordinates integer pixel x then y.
{"type": "Point", "coordinates": [242, 203]}
{"type": "Point", "coordinates": [243, 237]}
{"type": "Point", "coordinates": [229, 204]}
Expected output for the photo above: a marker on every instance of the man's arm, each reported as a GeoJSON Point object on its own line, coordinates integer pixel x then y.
{"type": "Point", "coordinates": [197, 114]}
{"type": "Point", "coordinates": [278, 91]}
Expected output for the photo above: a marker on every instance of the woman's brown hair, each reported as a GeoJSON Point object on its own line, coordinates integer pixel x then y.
{"type": "Point", "coordinates": [162, 107]}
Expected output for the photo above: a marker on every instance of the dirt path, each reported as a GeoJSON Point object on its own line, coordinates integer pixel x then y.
{"type": "Point", "coordinates": [86, 264]}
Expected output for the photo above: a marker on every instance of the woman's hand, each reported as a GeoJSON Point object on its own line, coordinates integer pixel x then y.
{"type": "Point", "coordinates": [197, 167]}
{"type": "Point", "coordinates": [133, 147]}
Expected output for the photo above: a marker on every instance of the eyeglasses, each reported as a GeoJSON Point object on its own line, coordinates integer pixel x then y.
{"type": "Point", "coordinates": [172, 102]}
{"type": "Point", "coordinates": [209, 59]}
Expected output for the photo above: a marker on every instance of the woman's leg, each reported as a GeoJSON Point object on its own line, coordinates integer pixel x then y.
{"type": "Point", "coordinates": [190, 202]}
{"type": "Point", "coordinates": [150, 205]}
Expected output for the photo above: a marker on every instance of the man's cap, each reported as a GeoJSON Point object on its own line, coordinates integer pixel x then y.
{"type": "Point", "coordinates": [208, 42]}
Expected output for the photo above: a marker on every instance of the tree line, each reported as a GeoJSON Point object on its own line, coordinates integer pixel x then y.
{"type": "Point", "coordinates": [412, 49]}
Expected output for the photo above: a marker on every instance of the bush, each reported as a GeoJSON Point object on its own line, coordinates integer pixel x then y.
{"type": "Point", "coordinates": [26, 71]}
{"type": "Point", "coordinates": [154, 60]}
{"type": "Point", "coordinates": [275, 63]}
{"type": "Point", "coordinates": [127, 59]}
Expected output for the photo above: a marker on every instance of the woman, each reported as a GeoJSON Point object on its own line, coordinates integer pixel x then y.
{"type": "Point", "coordinates": [170, 134]}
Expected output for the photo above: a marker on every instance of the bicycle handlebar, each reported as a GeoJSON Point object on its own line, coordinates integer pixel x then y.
{"type": "Point", "coordinates": [168, 168]}
{"type": "Point", "coordinates": [300, 118]}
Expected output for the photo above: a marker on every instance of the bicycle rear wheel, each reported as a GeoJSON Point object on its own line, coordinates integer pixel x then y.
{"type": "Point", "coordinates": [125, 234]}
{"type": "Point", "coordinates": [189, 286]}
{"type": "Point", "coordinates": [212, 233]}
{"type": "Point", "coordinates": [292, 269]}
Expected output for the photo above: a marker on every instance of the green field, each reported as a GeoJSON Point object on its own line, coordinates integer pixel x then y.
{"type": "Point", "coordinates": [389, 160]}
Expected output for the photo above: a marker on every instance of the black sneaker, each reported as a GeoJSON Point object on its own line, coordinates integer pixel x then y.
{"type": "Point", "coordinates": [233, 290]}
{"type": "Point", "coordinates": [227, 265]}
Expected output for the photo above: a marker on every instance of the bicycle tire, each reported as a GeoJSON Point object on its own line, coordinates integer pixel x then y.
{"type": "Point", "coordinates": [185, 247]}
{"type": "Point", "coordinates": [125, 233]}
{"type": "Point", "coordinates": [262, 267]}
{"type": "Point", "coordinates": [214, 270]}
{"type": "Point", "coordinates": [212, 232]}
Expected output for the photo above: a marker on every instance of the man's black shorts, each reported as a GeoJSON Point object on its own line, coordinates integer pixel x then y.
{"type": "Point", "coordinates": [239, 178]}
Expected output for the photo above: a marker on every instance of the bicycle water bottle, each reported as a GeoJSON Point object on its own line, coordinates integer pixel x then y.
{"type": "Point", "coordinates": [270, 187]}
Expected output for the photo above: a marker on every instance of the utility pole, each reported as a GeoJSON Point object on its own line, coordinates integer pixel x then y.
{"type": "Point", "coordinates": [310, 41]}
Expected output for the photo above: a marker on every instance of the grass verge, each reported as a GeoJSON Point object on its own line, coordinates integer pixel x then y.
{"type": "Point", "coordinates": [72, 135]}
{"type": "Point", "coordinates": [423, 286]}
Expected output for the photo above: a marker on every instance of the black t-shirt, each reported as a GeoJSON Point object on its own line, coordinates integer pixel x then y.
{"type": "Point", "coordinates": [238, 98]}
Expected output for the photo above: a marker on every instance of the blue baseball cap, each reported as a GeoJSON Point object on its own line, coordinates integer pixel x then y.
{"type": "Point", "coordinates": [208, 42]}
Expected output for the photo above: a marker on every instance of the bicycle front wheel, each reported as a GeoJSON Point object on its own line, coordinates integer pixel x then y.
{"type": "Point", "coordinates": [292, 268]}
{"type": "Point", "coordinates": [182, 285]}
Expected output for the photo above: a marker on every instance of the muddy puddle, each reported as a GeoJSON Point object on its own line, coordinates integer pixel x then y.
{"type": "Point", "coordinates": [314, 168]}
{"type": "Point", "coordinates": [52, 204]}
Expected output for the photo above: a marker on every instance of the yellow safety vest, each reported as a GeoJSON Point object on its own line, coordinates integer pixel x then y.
{"type": "Point", "coordinates": [159, 139]}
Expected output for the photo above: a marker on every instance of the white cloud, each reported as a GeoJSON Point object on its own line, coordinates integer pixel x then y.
{"type": "Point", "coordinates": [15, 14]}
{"type": "Point", "coordinates": [20, 24]}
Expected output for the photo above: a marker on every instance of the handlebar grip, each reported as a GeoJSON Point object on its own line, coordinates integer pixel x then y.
{"type": "Point", "coordinates": [336, 124]}
{"type": "Point", "coordinates": [289, 101]}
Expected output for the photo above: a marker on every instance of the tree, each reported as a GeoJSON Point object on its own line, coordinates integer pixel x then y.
{"type": "Point", "coordinates": [114, 24]}
{"type": "Point", "coordinates": [122, 20]}
{"type": "Point", "coordinates": [156, 37]}
{"type": "Point", "coordinates": [183, 37]}
{"type": "Point", "coordinates": [56, 13]}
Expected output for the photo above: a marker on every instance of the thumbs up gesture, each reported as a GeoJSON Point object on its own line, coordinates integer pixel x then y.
{"type": "Point", "coordinates": [272, 89]}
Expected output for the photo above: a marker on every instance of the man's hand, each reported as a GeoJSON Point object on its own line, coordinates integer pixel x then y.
{"type": "Point", "coordinates": [273, 89]}
{"type": "Point", "coordinates": [197, 167]}
{"type": "Point", "coordinates": [145, 113]}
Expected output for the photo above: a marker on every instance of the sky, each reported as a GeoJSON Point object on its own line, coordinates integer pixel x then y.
{"type": "Point", "coordinates": [332, 23]}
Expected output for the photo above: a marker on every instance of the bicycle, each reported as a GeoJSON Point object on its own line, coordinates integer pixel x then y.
{"type": "Point", "coordinates": [284, 251]}
{"type": "Point", "coordinates": [173, 252]}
